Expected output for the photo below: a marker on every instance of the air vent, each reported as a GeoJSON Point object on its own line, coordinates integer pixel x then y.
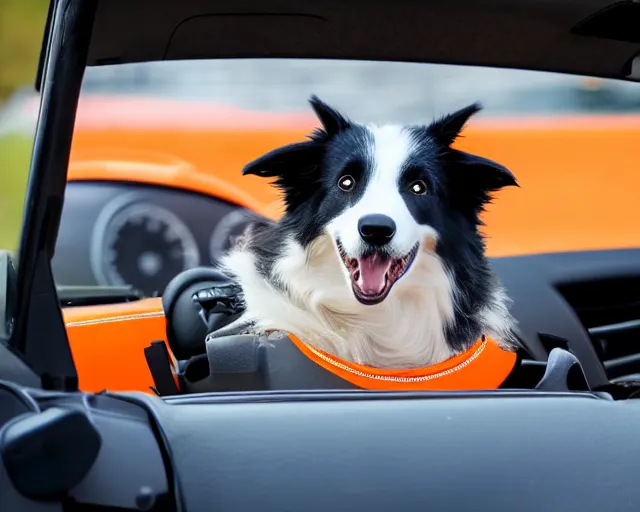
{"type": "Point", "coordinates": [610, 311]}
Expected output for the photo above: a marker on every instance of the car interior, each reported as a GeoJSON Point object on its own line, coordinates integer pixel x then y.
{"type": "Point", "coordinates": [559, 434]}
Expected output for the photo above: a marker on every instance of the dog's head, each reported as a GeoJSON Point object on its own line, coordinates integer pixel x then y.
{"type": "Point", "coordinates": [385, 194]}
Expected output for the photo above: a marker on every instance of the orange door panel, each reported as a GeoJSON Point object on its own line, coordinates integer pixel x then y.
{"type": "Point", "coordinates": [108, 343]}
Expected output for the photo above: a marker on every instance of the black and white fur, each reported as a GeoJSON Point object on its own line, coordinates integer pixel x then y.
{"type": "Point", "coordinates": [301, 274]}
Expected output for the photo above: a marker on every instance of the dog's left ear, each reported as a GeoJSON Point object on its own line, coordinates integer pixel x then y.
{"type": "Point", "coordinates": [476, 172]}
{"type": "Point", "coordinates": [472, 181]}
{"type": "Point", "coordinates": [446, 129]}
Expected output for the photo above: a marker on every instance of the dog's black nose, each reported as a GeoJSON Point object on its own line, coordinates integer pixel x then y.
{"type": "Point", "coordinates": [376, 229]}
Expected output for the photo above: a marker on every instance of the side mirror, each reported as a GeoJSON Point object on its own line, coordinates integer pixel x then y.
{"type": "Point", "coordinates": [8, 291]}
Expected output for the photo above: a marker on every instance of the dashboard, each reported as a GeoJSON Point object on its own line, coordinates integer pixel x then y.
{"type": "Point", "coordinates": [526, 451]}
{"type": "Point", "coordinates": [586, 302]}
{"type": "Point", "coordinates": [118, 234]}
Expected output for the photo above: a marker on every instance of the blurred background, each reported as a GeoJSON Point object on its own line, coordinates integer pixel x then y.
{"type": "Point", "coordinates": [21, 28]}
{"type": "Point", "coordinates": [154, 177]}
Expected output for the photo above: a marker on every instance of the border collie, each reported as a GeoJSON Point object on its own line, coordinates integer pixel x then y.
{"type": "Point", "coordinates": [378, 258]}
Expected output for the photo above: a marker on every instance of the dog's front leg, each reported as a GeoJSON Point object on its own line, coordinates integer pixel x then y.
{"type": "Point", "coordinates": [238, 326]}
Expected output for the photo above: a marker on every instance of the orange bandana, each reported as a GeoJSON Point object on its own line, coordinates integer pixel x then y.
{"type": "Point", "coordinates": [483, 367]}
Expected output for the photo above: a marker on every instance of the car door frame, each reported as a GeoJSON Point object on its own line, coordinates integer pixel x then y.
{"type": "Point", "coordinates": [39, 337]}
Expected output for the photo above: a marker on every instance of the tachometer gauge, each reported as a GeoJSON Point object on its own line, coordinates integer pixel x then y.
{"type": "Point", "coordinates": [141, 244]}
{"type": "Point", "coordinates": [228, 228]}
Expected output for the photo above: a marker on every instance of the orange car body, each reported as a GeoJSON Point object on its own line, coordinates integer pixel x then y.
{"type": "Point", "coordinates": [577, 180]}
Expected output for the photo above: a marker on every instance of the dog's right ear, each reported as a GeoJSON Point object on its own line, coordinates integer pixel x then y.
{"type": "Point", "coordinates": [296, 169]}
{"type": "Point", "coordinates": [302, 157]}
{"type": "Point", "coordinates": [297, 160]}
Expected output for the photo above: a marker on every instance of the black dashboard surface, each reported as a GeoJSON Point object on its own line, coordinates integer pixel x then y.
{"type": "Point", "coordinates": [371, 451]}
{"type": "Point", "coordinates": [357, 450]}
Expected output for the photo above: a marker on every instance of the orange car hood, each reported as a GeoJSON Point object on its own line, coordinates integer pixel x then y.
{"type": "Point", "coordinates": [577, 176]}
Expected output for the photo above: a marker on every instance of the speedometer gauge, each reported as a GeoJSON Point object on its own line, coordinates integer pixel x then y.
{"type": "Point", "coordinates": [141, 244]}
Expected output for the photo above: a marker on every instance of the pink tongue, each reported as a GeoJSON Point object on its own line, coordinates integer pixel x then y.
{"type": "Point", "coordinates": [373, 270]}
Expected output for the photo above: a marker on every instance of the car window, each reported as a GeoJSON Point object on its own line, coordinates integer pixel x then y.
{"type": "Point", "coordinates": [21, 27]}
{"type": "Point", "coordinates": [155, 183]}
{"type": "Point", "coordinates": [15, 151]}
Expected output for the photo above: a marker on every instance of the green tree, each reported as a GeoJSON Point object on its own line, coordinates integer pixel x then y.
{"type": "Point", "coordinates": [21, 28]}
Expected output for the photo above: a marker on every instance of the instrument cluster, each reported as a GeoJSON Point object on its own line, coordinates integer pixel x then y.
{"type": "Point", "coordinates": [116, 234]}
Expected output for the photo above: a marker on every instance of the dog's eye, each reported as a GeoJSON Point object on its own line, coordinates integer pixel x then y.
{"type": "Point", "coordinates": [346, 182]}
{"type": "Point", "coordinates": [418, 188]}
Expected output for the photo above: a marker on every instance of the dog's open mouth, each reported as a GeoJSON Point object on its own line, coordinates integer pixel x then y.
{"type": "Point", "coordinates": [373, 275]}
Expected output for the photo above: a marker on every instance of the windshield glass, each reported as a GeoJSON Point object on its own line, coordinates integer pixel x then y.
{"type": "Point", "coordinates": [155, 184]}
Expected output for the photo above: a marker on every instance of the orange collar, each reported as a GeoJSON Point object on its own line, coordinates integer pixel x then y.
{"type": "Point", "coordinates": [483, 367]}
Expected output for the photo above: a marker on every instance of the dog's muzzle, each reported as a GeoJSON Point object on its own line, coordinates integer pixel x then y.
{"type": "Point", "coordinates": [374, 273]}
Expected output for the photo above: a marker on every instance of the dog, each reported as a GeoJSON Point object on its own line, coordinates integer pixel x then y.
{"type": "Point", "coordinates": [378, 258]}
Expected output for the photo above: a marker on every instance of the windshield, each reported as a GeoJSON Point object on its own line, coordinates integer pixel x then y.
{"type": "Point", "coordinates": [155, 183]}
